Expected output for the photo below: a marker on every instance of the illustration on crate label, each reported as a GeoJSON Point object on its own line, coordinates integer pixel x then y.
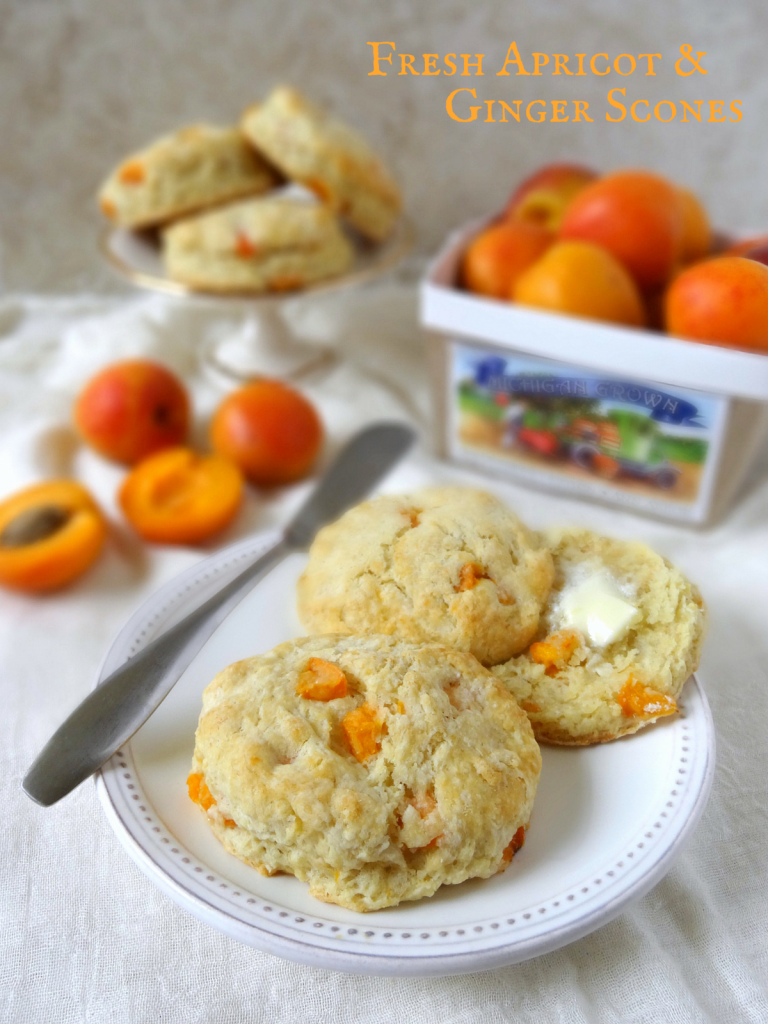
{"type": "Point", "coordinates": [634, 436]}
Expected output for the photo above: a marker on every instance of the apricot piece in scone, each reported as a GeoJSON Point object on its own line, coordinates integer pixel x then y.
{"type": "Point", "coordinates": [554, 651]}
{"type": "Point", "coordinates": [640, 701]}
{"type": "Point", "coordinates": [321, 680]}
{"type": "Point", "coordinates": [362, 729]}
{"type": "Point", "coordinates": [180, 497]}
{"type": "Point", "coordinates": [49, 534]}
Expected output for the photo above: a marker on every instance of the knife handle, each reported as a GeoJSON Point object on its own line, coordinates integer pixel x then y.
{"type": "Point", "coordinates": [120, 704]}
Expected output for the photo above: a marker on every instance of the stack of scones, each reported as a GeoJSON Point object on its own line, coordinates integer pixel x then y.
{"type": "Point", "coordinates": [216, 196]}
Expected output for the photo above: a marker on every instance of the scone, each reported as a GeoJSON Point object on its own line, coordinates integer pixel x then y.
{"type": "Point", "coordinates": [449, 565]}
{"type": "Point", "coordinates": [178, 174]}
{"type": "Point", "coordinates": [327, 156]}
{"type": "Point", "coordinates": [372, 769]}
{"type": "Point", "coordinates": [621, 633]}
{"type": "Point", "coordinates": [257, 245]}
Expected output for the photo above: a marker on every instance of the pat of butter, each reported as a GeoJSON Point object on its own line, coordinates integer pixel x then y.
{"type": "Point", "coordinates": [597, 608]}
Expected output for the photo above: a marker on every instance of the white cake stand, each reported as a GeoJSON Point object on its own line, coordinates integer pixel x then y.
{"type": "Point", "coordinates": [269, 347]}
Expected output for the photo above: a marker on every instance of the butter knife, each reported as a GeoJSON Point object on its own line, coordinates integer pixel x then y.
{"type": "Point", "coordinates": [120, 704]}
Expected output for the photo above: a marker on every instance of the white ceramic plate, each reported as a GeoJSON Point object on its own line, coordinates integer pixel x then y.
{"type": "Point", "coordinates": [607, 824]}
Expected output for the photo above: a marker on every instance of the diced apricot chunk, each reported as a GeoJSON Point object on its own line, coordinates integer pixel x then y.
{"type": "Point", "coordinates": [244, 247]}
{"type": "Point", "coordinates": [413, 516]}
{"type": "Point", "coordinates": [530, 707]}
{"type": "Point", "coordinates": [469, 576]}
{"type": "Point", "coordinates": [132, 173]}
{"type": "Point", "coordinates": [518, 841]}
{"type": "Point", "coordinates": [424, 803]}
{"type": "Point", "coordinates": [640, 701]}
{"type": "Point", "coordinates": [199, 792]}
{"type": "Point", "coordinates": [555, 650]}
{"type": "Point", "coordinates": [321, 680]}
{"type": "Point", "coordinates": [362, 729]}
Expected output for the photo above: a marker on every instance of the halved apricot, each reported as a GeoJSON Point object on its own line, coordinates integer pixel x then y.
{"type": "Point", "coordinates": [321, 680]}
{"type": "Point", "coordinates": [362, 730]}
{"type": "Point", "coordinates": [49, 534]}
{"type": "Point", "coordinates": [180, 497]}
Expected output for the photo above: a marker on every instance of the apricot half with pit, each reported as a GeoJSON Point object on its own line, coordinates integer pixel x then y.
{"type": "Point", "coordinates": [49, 534]}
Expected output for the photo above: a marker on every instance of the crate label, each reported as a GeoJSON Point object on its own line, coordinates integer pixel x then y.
{"type": "Point", "coordinates": [637, 443]}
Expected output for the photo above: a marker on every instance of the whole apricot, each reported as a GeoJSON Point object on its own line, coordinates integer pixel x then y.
{"type": "Point", "coordinates": [49, 534]}
{"type": "Point", "coordinates": [637, 217]}
{"type": "Point", "coordinates": [497, 257]}
{"type": "Point", "coordinates": [177, 496]}
{"type": "Point", "coordinates": [696, 241]}
{"type": "Point", "coordinates": [584, 280]}
{"type": "Point", "coordinates": [723, 301]}
{"type": "Point", "coordinates": [132, 409]}
{"type": "Point", "coordinates": [544, 196]}
{"type": "Point", "coordinates": [269, 430]}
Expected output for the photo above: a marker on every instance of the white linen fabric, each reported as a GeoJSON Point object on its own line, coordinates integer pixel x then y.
{"type": "Point", "coordinates": [85, 937]}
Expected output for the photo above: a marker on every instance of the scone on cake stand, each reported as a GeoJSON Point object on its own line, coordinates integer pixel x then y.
{"type": "Point", "coordinates": [290, 204]}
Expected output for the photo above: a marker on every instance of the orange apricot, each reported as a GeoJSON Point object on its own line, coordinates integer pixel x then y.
{"type": "Point", "coordinates": [584, 280]}
{"type": "Point", "coordinates": [269, 430]}
{"type": "Point", "coordinates": [132, 409]}
{"type": "Point", "coordinates": [180, 497]}
{"type": "Point", "coordinates": [49, 534]}
{"type": "Point", "coordinates": [362, 729]}
{"type": "Point", "coordinates": [637, 216]}
{"type": "Point", "coordinates": [696, 241]}
{"type": "Point", "coordinates": [544, 196]}
{"type": "Point", "coordinates": [321, 680]}
{"type": "Point", "coordinates": [722, 301]}
{"type": "Point", "coordinates": [496, 258]}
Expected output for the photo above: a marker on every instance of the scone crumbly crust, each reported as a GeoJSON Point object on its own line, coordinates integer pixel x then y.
{"type": "Point", "coordinates": [326, 155]}
{"type": "Point", "coordinates": [579, 703]}
{"type": "Point", "coordinates": [450, 782]}
{"type": "Point", "coordinates": [181, 173]}
{"type": "Point", "coordinates": [448, 565]}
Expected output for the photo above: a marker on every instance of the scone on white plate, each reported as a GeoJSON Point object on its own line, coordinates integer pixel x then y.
{"type": "Point", "coordinates": [372, 769]}
{"type": "Point", "coordinates": [259, 245]}
{"type": "Point", "coordinates": [621, 632]}
{"type": "Point", "coordinates": [327, 156]}
{"type": "Point", "coordinates": [189, 170]}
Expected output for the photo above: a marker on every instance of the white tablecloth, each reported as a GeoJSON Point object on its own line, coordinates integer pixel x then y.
{"type": "Point", "coordinates": [86, 937]}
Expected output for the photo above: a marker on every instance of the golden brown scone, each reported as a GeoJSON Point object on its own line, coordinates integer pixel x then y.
{"type": "Point", "coordinates": [327, 156]}
{"type": "Point", "coordinates": [449, 565]}
{"type": "Point", "coordinates": [190, 170]}
{"type": "Point", "coordinates": [579, 687]}
{"type": "Point", "coordinates": [257, 245]}
{"type": "Point", "coordinates": [372, 769]}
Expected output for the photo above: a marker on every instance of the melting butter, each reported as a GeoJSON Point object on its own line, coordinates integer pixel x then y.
{"type": "Point", "coordinates": [597, 609]}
